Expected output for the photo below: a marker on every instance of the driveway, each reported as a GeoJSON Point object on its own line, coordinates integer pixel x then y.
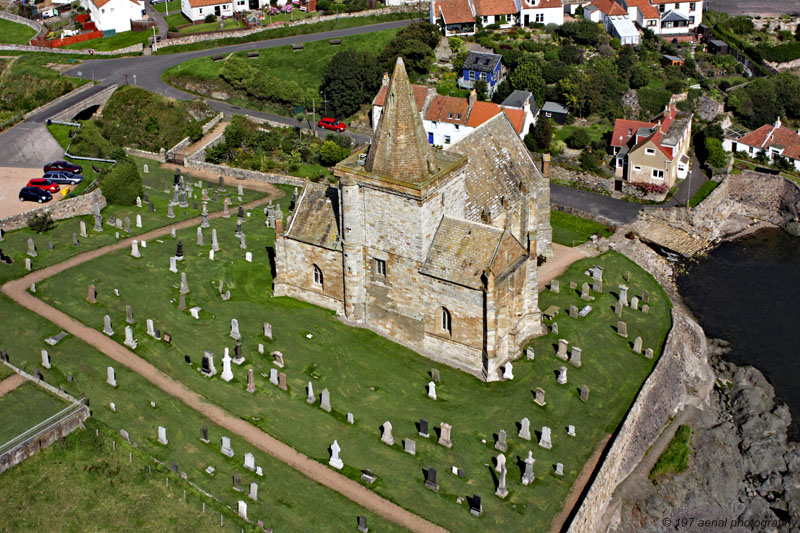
{"type": "Point", "coordinates": [28, 145]}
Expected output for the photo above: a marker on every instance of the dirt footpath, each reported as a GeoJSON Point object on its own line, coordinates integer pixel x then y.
{"type": "Point", "coordinates": [563, 257]}
{"type": "Point", "coordinates": [10, 383]}
{"type": "Point", "coordinates": [11, 181]}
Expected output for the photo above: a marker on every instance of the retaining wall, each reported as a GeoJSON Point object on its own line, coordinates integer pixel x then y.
{"type": "Point", "coordinates": [136, 48]}
{"type": "Point", "coordinates": [83, 88]}
{"type": "Point", "coordinates": [67, 208]}
{"type": "Point", "coordinates": [160, 157]}
{"type": "Point", "coordinates": [99, 98]}
{"type": "Point", "coordinates": [211, 124]}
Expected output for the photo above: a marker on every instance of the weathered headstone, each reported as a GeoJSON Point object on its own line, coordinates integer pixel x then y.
{"type": "Point", "coordinates": [585, 292]}
{"type": "Point", "coordinates": [409, 446]}
{"type": "Point", "coordinates": [204, 432]}
{"type": "Point", "coordinates": [182, 306]}
{"type": "Point", "coordinates": [648, 353]}
{"type": "Point", "coordinates": [623, 295]}
{"type": "Point", "coordinates": [554, 328]}
{"type": "Point", "coordinates": [135, 249]}
{"type": "Point", "coordinates": [350, 418]}
{"type": "Point", "coordinates": [91, 295]}
{"type": "Point", "coordinates": [575, 357]}
{"type": "Point", "coordinates": [362, 524]}
{"type": "Point", "coordinates": [562, 349]}
{"type": "Point", "coordinates": [127, 226]}
{"type": "Point", "coordinates": [45, 359]}
{"type": "Point", "coordinates": [584, 394]}
{"type": "Point", "coordinates": [130, 342]}
{"type": "Point", "coordinates": [162, 435]}
{"type": "Point", "coordinates": [170, 211]}
{"type": "Point", "coordinates": [111, 376]}
{"type": "Point", "coordinates": [637, 345]}
{"type": "Point", "coordinates": [571, 430]}
{"type": "Point", "coordinates": [622, 329]}
{"type": "Point", "coordinates": [173, 264]}
{"type": "Point", "coordinates": [444, 436]}
{"type": "Point", "coordinates": [282, 381]}
{"type": "Point", "coordinates": [646, 309]}
{"type": "Point", "coordinates": [554, 286]}
{"type": "Point", "coordinates": [107, 329]}
{"type": "Point", "coordinates": [618, 308]}
{"type": "Point", "coordinates": [75, 241]}
{"type": "Point", "coordinates": [129, 315]}
{"type": "Point", "coordinates": [32, 248]}
{"type": "Point", "coordinates": [251, 382]}
{"type": "Point", "coordinates": [237, 482]}
{"type": "Point", "coordinates": [336, 461]}
{"type": "Point", "coordinates": [235, 329]}
{"type": "Point", "coordinates": [226, 447]}
{"type": "Point", "coordinates": [475, 506]}
{"type": "Point", "coordinates": [530, 355]}
{"type": "Point", "coordinates": [214, 242]}
{"type": "Point", "coordinates": [501, 443]}
{"type": "Point", "coordinates": [253, 494]}
{"type": "Point", "coordinates": [83, 229]}
{"type": "Point", "coordinates": [645, 297]}
{"type": "Point", "coordinates": [525, 429]}
{"type": "Point", "coordinates": [539, 397]}
{"type": "Point", "coordinates": [277, 359]}
{"type": "Point", "coordinates": [562, 375]}
{"type": "Point", "coordinates": [273, 376]}
{"type": "Point", "coordinates": [28, 264]}
{"type": "Point", "coordinates": [559, 469]}
{"type": "Point", "coordinates": [597, 285]}
{"type": "Point", "coordinates": [502, 491]}
{"type": "Point", "coordinates": [325, 400]}
{"type": "Point", "coordinates": [184, 285]}
{"type": "Point", "coordinates": [573, 311]}
{"type": "Point", "coordinates": [249, 461]}
{"type": "Point", "coordinates": [544, 441]}
{"type": "Point", "coordinates": [635, 303]}
{"type": "Point", "coordinates": [150, 328]}
{"type": "Point", "coordinates": [386, 436]}
{"type": "Point", "coordinates": [207, 367]}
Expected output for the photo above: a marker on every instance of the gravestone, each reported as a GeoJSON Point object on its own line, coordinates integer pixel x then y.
{"type": "Point", "coordinates": [618, 308]}
{"type": "Point", "coordinates": [559, 469]}
{"type": "Point", "coordinates": [623, 295]}
{"type": "Point", "coordinates": [237, 482]}
{"type": "Point", "coordinates": [150, 330]}
{"type": "Point", "coordinates": [645, 297]}
{"type": "Point", "coordinates": [173, 264]}
{"type": "Point", "coordinates": [214, 242]}
{"type": "Point", "coordinates": [130, 342]}
{"type": "Point", "coordinates": [539, 397]}
{"type": "Point", "coordinates": [32, 248]}
{"type": "Point", "coordinates": [235, 329]}
{"type": "Point", "coordinates": [242, 242]}
{"type": "Point", "coordinates": [336, 461]}
{"type": "Point", "coordinates": [111, 376]}
{"type": "Point", "coordinates": [282, 381]}
{"type": "Point", "coordinates": [562, 349]}
{"type": "Point", "coordinates": [204, 431]}
{"type": "Point", "coordinates": [508, 371]}
{"type": "Point", "coordinates": [475, 506]}
{"type": "Point", "coordinates": [170, 211]}
{"type": "Point", "coordinates": [207, 367]}
{"type": "Point", "coordinates": [199, 236]}
{"type": "Point", "coordinates": [637, 345]}
{"type": "Point", "coordinates": [215, 197]}
{"type": "Point", "coordinates": [585, 292]}
{"type": "Point", "coordinates": [28, 264]}
{"type": "Point", "coordinates": [248, 257]}
{"type": "Point", "coordinates": [544, 441]}
{"type": "Point", "coordinates": [432, 390]}
{"type": "Point", "coordinates": [162, 435]}
{"type": "Point", "coordinates": [107, 329]}
{"type": "Point", "coordinates": [435, 375]}
{"type": "Point", "coordinates": [138, 221]}
{"type": "Point", "coordinates": [204, 218]}
{"type": "Point", "coordinates": [238, 358]}
{"type": "Point", "coordinates": [648, 353]}
{"type": "Point", "coordinates": [251, 381]}
{"type": "Point", "coordinates": [362, 524]}
{"type": "Point", "coordinates": [423, 428]}
{"type": "Point", "coordinates": [184, 286]}
{"type": "Point", "coordinates": [597, 285]}
{"type": "Point", "coordinates": [325, 401]}
{"type": "Point", "coordinates": [45, 359]}
{"type": "Point", "coordinates": [584, 394]}
{"type": "Point", "coordinates": [554, 328]}
{"type": "Point", "coordinates": [227, 373]}
{"type": "Point", "coordinates": [179, 250]}
{"type": "Point", "coordinates": [409, 446]}
{"type": "Point", "coordinates": [187, 359]}
{"type": "Point", "coordinates": [249, 461]}
{"type": "Point", "coordinates": [646, 309]}
{"type": "Point", "coordinates": [182, 306]}
{"type": "Point", "coordinates": [221, 186]}
{"type": "Point", "coordinates": [98, 218]}
{"type": "Point", "coordinates": [571, 430]}
{"type": "Point", "coordinates": [135, 249]}
{"type": "Point", "coordinates": [622, 329]}
{"type": "Point", "coordinates": [525, 429]}
{"type": "Point", "coordinates": [501, 443]}
{"type": "Point", "coordinates": [127, 226]}
{"type": "Point", "coordinates": [226, 212]}
{"type": "Point", "coordinates": [273, 376]}
{"type": "Point", "coordinates": [129, 315]}
{"type": "Point", "coordinates": [350, 418]}
{"type": "Point", "coordinates": [240, 214]}
{"type": "Point", "coordinates": [268, 330]}
{"type": "Point", "coordinates": [444, 436]}
{"type": "Point", "coordinates": [211, 255]}
{"type": "Point", "coordinates": [83, 229]}
{"type": "Point", "coordinates": [562, 375]}
{"type": "Point", "coordinates": [530, 355]}
{"type": "Point", "coordinates": [75, 241]}
{"type": "Point", "coordinates": [226, 449]}
{"type": "Point", "coordinates": [575, 357]}
{"type": "Point", "coordinates": [430, 480]}
{"type": "Point", "coordinates": [91, 295]}
{"type": "Point", "coordinates": [502, 491]}
{"type": "Point", "coordinates": [528, 475]}
{"type": "Point", "coordinates": [573, 285]}
{"type": "Point", "coordinates": [554, 286]}
{"type": "Point", "coordinates": [573, 311]}
{"type": "Point", "coordinates": [152, 207]}
{"type": "Point", "coordinates": [253, 495]}
{"type": "Point", "coordinates": [310, 397]}
{"type": "Point", "coordinates": [387, 437]}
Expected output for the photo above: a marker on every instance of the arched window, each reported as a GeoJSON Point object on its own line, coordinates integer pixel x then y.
{"type": "Point", "coordinates": [317, 276]}
{"type": "Point", "coordinates": [447, 322]}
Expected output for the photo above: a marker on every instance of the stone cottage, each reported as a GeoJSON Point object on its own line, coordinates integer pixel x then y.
{"type": "Point", "coordinates": [437, 250]}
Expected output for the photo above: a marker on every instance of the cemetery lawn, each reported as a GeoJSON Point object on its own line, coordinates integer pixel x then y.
{"type": "Point", "coordinates": [15, 242]}
{"type": "Point", "coordinates": [84, 482]}
{"type": "Point", "coordinates": [15, 33]}
{"type": "Point", "coordinates": [571, 230]}
{"type": "Point", "coordinates": [378, 380]}
{"type": "Point", "coordinates": [24, 407]}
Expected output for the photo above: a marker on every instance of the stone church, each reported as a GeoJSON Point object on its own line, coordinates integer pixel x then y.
{"type": "Point", "coordinates": [437, 250]}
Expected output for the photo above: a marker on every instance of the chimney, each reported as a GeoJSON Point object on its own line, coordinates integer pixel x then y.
{"type": "Point", "coordinates": [778, 122]}
{"type": "Point", "coordinates": [473, 97]}
{"type": "Point", "coordinates": [385, 79]}
{"type": "Point", "coordinates": [546, 165]}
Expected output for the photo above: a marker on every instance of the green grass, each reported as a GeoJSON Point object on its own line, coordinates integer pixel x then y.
{"type": "Point", "coordinates": [305, 67]}
{"type": "Point", "coordinates": [306, 170]}
{"type": "Point", "coordinates": [704, 190]}
{"type": "Point", "coordinates": [228, 24]}
{"type": "Point", "coordinates": [176, 18]}
{"type": "Point", "coordinates": [596, 131]}
{"type": "Point", "coordinates": [285, 17]}
{"type": "Point", "coordinates": [14, 33]}
{"type": "Point", "coordinates": [24, 407]}
{"type": "Point", "coordinates": [174, 6]}
{"type": "Point", "coordinates": [675, 457]}
{"type": "Point", "coordinates": [571, 230]}
{"type": "Point", "coordinates": [287, 31]}
{"type": "Point", "coordinates": [120, 40]}
{"type": "Point", "coordinates": [15, 241]}
{"type": "Point", "coordinates": [60, 133]}
{"type": "Point", "coordinates": [378, 380]}
{"type": "Point", "coordinates": [85, 485]}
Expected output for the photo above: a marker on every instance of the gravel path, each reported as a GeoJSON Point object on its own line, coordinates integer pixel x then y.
{"type": "Point", "coordinates": [10, 383]}
{"type": "Point", "coordinates": [17, 290]}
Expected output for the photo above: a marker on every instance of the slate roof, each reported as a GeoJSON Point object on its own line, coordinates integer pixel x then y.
{"type": "Point", "coordinates": [498, 164]}
{"type": "Point", "coordinates": [316, 218]}
{"type": "Point", "coordinates": [674, 16]}
{"type": "Point", "coordinates": [518, 98]}
{"type": "Point", "coordinates": [461, 251]}
{"type": "Point", "coordinates": [554, 107]}
{"type": "Point", "coordinates": [481, 61]}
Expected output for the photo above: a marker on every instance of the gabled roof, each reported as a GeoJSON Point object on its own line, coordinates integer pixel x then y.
{"type": "Point", "coordinates": [516, 117]}
{"type": "Point", "coordinates": [461, 251]}
{"type": "Point", "coordinates": [101, 3]}
{"type": "Point", "coordinates": [448, 109]}
{"type": "Point", "coordinates": [494, 7]}
{"type": "Point", "coordinates": [498, 164]}
{"type": "Point", "coordinates": [625, 129]}
{"type": "Point", "coordinates": [481, 61]}
{"type": "Point", "coordinates": [400, 149]}
{"type": "Point", "coordinates": [454, 11]}
{"type": "Point", "coordinates": [542, 4]}
{"type": "Point", "coordinates": [316, 218]}
{"type": "Point", "coordinates": [665, 130]}
{"type": "Point", "coordinates": [647, 9]}
{"type": "Point", "coordinates": [518, 99]}
{"type": "Point", "coordinates": [674, 16]}
{"type": "Point", "coordinates": [609, 7]}
{"type": "Point", "coordinates": [770, 135]}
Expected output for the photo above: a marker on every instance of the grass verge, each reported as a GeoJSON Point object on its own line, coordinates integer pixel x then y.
{"type": "Point", "coordinates": [15, 33]}
{"type": "Point", "coordinates": [675, 457]}
{"type": "Point", "coordinates": [571, 230]}
{"type": "Point", "coordinates": [704, 190]}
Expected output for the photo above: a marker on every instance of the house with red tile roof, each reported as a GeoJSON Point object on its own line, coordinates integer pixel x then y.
{"type": "Point", "coordinates": [615, 18]}
{"type": "Point", "coordinates": [504, 13]}
{"type": "Point", "coordinates": [774, 140]}
{"type": "Point", "coordinates": [542, 12]}
{"type": "Point", "coordinates": [458, 17]}
{"type": "Point", "coordinates": [114, 14]}
{"type": "Point", "coordinates": [454, 17]}
{"type": "Point", "coordinates": [447, 119]}
{"type": "Point", "coordinates": [666, 18]}
{"type": "Point", "coordinates": [655, 152]}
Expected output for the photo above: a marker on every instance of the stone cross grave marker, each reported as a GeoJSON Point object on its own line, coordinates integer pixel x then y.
{"type": "Point", "coordinates": [336, 461]}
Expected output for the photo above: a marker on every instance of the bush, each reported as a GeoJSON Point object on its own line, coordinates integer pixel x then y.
{"type": "Point", "coordinates": [123, 183]}
{"type": "Point", "coordinates": [210, 18]}
{"type": "Point", "coordinates": [194, 131]}
{"type": "Point", "coordinates": [717, 157]}
{"type": "Point", "coordinates": [652, 187]}
{"type": "Point", "coordinates": [578, 139]}
{"type": "Point", "coordinates": [324, 5]}
{"type": "Point", "coordinates": [331, 153]}
{"type": "Point", "coordinates": [172, 29]}
{"type": "Point", "coordinates": [590, 161]}
{"type": "Point", "coordinates": [41, 223]}
{"type": "Point", "coordinates": [90, 142]}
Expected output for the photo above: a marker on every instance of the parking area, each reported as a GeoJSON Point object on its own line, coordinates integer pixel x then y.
{"type": "Point", "coordinates": [11, 181]}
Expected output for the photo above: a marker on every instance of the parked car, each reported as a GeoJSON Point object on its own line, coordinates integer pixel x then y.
{"type": "Point", "coordinates": [34, 194]}
{"type": "Point", "coordinates": [332, 124]}
{"type": "Point", "coordinates": [63, 177]}
{"type": "Point", "coordinates": [63, 165]}
{"type": "Point", "coordinates": [44, 184]}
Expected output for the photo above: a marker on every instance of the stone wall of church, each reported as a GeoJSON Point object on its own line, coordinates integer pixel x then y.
{"type": "Point", "coordinates": [447, 199]}
{"type": "Point", "coordinates": [392, 223]}
{"type": "Point", "coordinates": [294, 268]}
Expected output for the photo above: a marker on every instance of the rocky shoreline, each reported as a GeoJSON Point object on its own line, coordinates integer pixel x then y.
{"type": "Point", "coordinates": [743, 474]}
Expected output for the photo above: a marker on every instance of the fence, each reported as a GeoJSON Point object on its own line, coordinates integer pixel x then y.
{"type": "Point", "coordinates": [58, 43]}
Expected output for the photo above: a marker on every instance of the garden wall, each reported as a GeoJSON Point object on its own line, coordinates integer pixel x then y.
{"type": "Point", "coordinates": [136, 48]}
{"type": "Point", "coordinates": [601, 184]}
{"type": "Point", "coordinates": [160, 157]}
{"type": "Point", "coordinates": [67, 208]}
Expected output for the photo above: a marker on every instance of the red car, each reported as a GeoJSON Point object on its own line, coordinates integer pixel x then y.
{"type": "Point", "coordinates": [63, 165]}
{"type": "Point", "coordinates": [44, 184]}
{"type": "Point", "coordinates": [332, 124]}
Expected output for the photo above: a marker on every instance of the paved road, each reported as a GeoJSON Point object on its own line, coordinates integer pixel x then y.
{"type": "Point", "coordinates": [161, 23]}
{"type": "Point", "coordinates": [617, 211]}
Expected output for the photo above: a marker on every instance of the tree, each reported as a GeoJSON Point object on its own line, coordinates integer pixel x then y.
{"type": "Point", "coordinates": [351, 79]}
{"type": "Point", "coordinates": [528, 77]}
{"type": "Point", "coordinates": [639, 76]}
{"type": "Point", "coordinates": [457, 45]}
{"type": "Point", "coordinates": [123, 183]}
{"type": "Point", "coordinates": [578, 139]}
{"type": "Point", "coordinates": [590, 161]}
{"type": "Point", "coordinates": [740, 25]}
{"type": "Point", "coordinates": [480, 88]}
{"type": "Point", "coordinates": [331, 153]}
{"type": "Point", "coordinates": [41, 223]}
{"type": "Point", "coordinates": [716, 156]}
{"type": "Point", "coordinates": [542, 134]}
{"type": "Point", "coordinates": [570, 54]}
{"type": "Point", "coordinates": [501, 92]}
{"type": "Point", "coordinates": [582, 31]}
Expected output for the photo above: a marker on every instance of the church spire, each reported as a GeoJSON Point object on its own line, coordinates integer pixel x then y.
{"type": "Point", "coordinates": [400, 148]}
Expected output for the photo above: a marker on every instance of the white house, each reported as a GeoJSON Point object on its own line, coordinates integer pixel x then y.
{"type": "Point", "coordinates": [643, 13]}
{"type": "Point", "coordinates": [666, 18]}
{"type": "Point", "coordinates": [114, 14]}
{"type": "Point", "coordinates": [197, 10]}
{"type": "Point", "coordinates": [542, 12]}
{"type": "Point", "coordinates": [772, 139]}
{"type": "Point", "coordinates": [615, 18]}
{"type": "Point", "coordinates": [454, 17]}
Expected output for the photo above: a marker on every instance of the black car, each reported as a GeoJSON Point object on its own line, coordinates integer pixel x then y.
{"type": "Point", "coordinates": [63, 165]}
{"type": "Point", "coordinates": [62, 177]}
{"type": "Point", "coordinates": [34, 194]}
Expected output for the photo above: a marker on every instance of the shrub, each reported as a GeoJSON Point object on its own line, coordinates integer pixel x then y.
{"type": "Point", "coordinates": [652, 187]}
{"type": "Point", "coordinates": [194, 131]}
{"type": "Point", "coordinates": [331, 153]}
{"type": "Point", "coordinates": [41, 223]}
{"type": "Point", "coordinates": [123, 183]}
{"type": "Point", "coordinates": [590, 161]}
{"type": "Point", "coordinates": [578, 139]}
{"type": "Point", "coordinates": [210, 18]}
{"type": "Point", "coordinates": [717, 157]}
{"type": "Point", "coordinates": [172, 29]}
{"type": "Point", "coordinates": [90, 142]}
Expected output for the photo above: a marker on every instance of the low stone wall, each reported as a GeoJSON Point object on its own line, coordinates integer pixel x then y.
{"type": "Point", "coordinates": [601, 184]}
{"type": "Point", "coordinates": [99, 98]}
{"type": "Point", "coordinates": [136, 48]}
{"type": "Point", "coordinates": [228, 34]}
{"type": "Point", "coordinates": [68, 208]}
{"type": "Point", "coordinates": [200, 155]}
{"type": "Point", "coordinates": [160, 157]}
{"type": "Point", "coordinates": [681, 377]}
{"type": "Point", "coordinates": [178, 148]}
{"type": "Point", "coordinates": [83, 88]}
{"type": "Point", "coordinates": [211, 124]}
